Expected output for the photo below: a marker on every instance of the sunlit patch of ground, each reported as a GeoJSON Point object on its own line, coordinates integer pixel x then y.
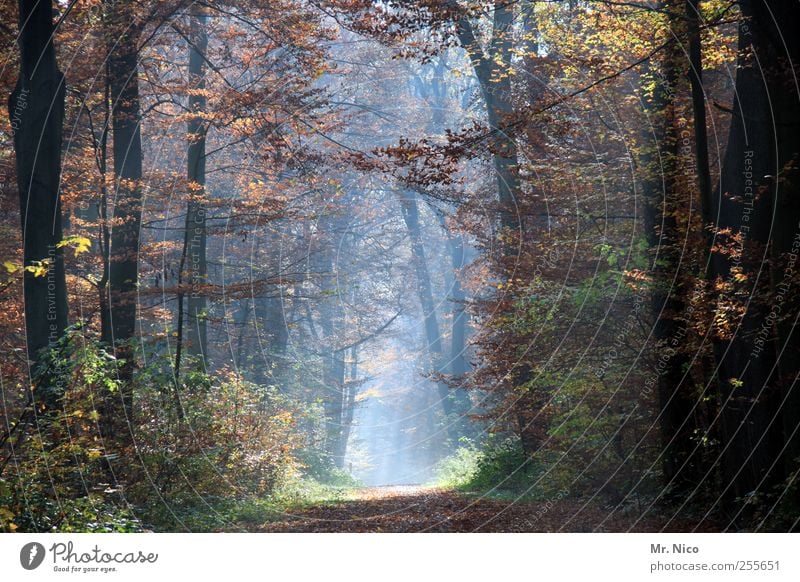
{"type": "Point", "coordinates": [414, 508]}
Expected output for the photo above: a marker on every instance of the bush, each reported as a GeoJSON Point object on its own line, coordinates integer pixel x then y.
{"type": "Point", "coordinates": [58, 479]}
{"type": "Point", "coordinates": [499, 467]}
{"type": "Point", "coordinates": [227, 440]}
{"type": "Point", "coordinates": [460, 468]}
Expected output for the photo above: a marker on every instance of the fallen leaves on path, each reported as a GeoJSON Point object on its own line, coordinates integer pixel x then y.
{"type": "Point", "coordinates": [422, 509]}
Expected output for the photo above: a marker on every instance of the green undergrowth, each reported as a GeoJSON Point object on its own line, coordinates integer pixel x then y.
{"type": "Point", "coordinates": [500, 470]}
{"type": "Point", "coordinates": [249, 512]}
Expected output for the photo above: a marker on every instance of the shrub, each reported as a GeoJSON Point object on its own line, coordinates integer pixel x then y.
{"type": "Point", "coordinates": [460, 468]}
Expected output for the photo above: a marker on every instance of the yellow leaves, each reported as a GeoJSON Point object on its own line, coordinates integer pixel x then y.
{"type": "Point", "coordinates": [6, 517]}
{"type": "Point", "coordinates": [735, 382]}
{"type": "Point", "coordinates": [91, 415]}
{"type": "Point", "coordinates": [80, 244]}
{"type": "Point", "coordinates": [509, 284]}
{"type": "Point", "coordinates": [637, 279]}
{"type": "Point", "coordinates": [195, 188]}
{"type": "Point", "coordinates": [739, 276]}
{"type": "Point", "coordinates": [39, 268]}
{"type": "Point", "coordinates": [637, 275]}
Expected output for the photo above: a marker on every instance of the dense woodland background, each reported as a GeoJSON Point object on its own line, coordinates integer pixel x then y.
{"type": "Point", "coordinates": [260, 254]}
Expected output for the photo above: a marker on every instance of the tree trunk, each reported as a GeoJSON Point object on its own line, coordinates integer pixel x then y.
{"type": "Point", "coordinates": [333, 364]}
{"type": "Point", "coordinates": [273, 338]}
{"type": "Point", "coordinates": [495, 82]}
{"type": "Point", "coordinates": [36, 112]}
{"type": "Point", "coordinates": [662, 200]}
{"type": "Point", "coordinates": [433, 338]}
{"type": "Point", "coordinates": [492, 72]}
{"type": "Point", "coordinates": [455, 243]}
{"type": "Point", "coordinates": [127, 150]}
{"type": "Point", "coordinates": [197, 275]}
{"type": "Point", "coordinates": [699, 112]}
{"type": "Point", "coordinates": [351, 390]}
{"type": "Point", "coordinates": [119, 314]}
{"type": "Point", "coordinates": [458, 342]}
{"type": "Point", "coordinates": [759, 200]}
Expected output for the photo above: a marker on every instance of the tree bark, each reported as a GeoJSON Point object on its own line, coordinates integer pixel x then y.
{"type": "Point", "coordinates": [197, 276]}
{"type": "Point", "coordinates": [699, 112]}
{"type": "Point", "coordinates": [118, 316]}
{"type": "Point", "coordinates": [120, 325]}
{"type": "Point", "coordinates": [349, 401]}
{"type": "Point", "coordinates": [492, 73]}
{"type": "Point", "coordinates": [273, 338]}
{"type": "Point", "coordinates": [36, 112]}
{"type": "Point", "coordinates": [455, 243]}
{"type": "Point", "coordinates": [759, 203]}
{"type": "Point", "coordinates": [333, 364]}
{"type": "Point", "coordinates": [433, 338]}
{"type": "Point", "coordinates": [662, 200]}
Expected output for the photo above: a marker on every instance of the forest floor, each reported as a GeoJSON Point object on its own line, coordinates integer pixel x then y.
{"type": "Point", "coordinates": [411, 508]}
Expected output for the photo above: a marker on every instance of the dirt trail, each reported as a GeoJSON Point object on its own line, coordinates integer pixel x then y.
{"type": "Point", "coordinates": [410, 508]}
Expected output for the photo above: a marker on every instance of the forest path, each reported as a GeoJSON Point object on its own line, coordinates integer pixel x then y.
{"type": "Point", "coordinates": [414, 508]}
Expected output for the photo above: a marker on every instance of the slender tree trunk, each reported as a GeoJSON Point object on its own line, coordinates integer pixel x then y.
{"type": "Point", "coordinates": [36, 111]}
{"type": "Point", "coordinates": [662, 202]}
{"type": "Point", "coordinates": [120, 313]}
{"type": "Point", "coordinates": [455, 243]}
{"type": "Point", "coordinates": [433, 338]}
{"type": "Point", "coordinates": [699, 111]}
{"type": "Point", "coordinates": [240, 320]}
{"type": "Point", "coordinates": [459, 366]}
{"type": "Point", "coordinates": [118, 307]}
{"type": "Point", "coordinates": [197, 275]}
{"type": "Point", "coordinates": [273, 338]}
{"type": "Point", "coordinates": [492, 68]}
{"type": "Point", "coordinates": [333, 364]}
{"type": "Point", "coordinates": [351, 390]}
{"type": "Point", "coordinates": [458, 342]}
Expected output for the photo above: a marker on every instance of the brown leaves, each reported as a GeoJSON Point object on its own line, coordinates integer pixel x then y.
{"type": "Point", "coordinates": [411, 508]}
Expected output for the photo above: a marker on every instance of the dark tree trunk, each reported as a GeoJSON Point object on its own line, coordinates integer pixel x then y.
{"type": "Point", "coordinates": [458, 342]}
{"type": "Point", "coordinates": [677, 400]}
{"type": "Point", "coordinates": [759, 201]}
{"type": "Point", "coordinates": [333, 359]}
{"type": "Point", "coordinates": [492, 68]}
{"type": "Point", "coordinates": [273, 338]}
{"type": "Point", "coordinates": [433, 338]}
{"type": "Point", "coordinates": [459, 365]}
{"type": "Point", "coordinates": [699, 112]}
{"type": "Point", "coordinates": [127, 150]}
{"type": "Point", "coordinates": [36, 112]}
{"type": "Point", "coordinates": [197, 267]}
{"type": "Point", "coordinates": [119, 313]}
{"type": "Point", "coordinates": [349, 401]}
{"type": "Point", "coordinates": [455, 242]}
{"type": "Point", "coordinates": [240, 320]}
